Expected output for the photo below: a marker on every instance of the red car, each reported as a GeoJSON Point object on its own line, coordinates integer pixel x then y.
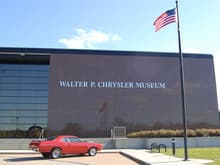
{"type": "Point", "coordinates": [57, 146]}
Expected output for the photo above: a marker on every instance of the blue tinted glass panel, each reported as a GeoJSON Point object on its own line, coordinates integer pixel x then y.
{"type": "Point", "coordinates": [24, 106]}
{"type": "Point", "coordinates": [24, 73]}
{"type": "Point", "coordinates": [7, 127]}
{"type": "Point", "coordinates": [31, 86]}
{"type": "Point", "coordinates": [24, 93]}
{"type": "Point", "coordinates": [19, 100]}
{"type": "Point", "coordinates": [25, 80]}
{"type": "Point", "coordinates": [23, 96]}
{"type": "Point", "coordinates": [15, 113]}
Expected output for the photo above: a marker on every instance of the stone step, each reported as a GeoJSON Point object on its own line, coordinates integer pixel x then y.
{"type": "Point", "coordinates": [14, 144]}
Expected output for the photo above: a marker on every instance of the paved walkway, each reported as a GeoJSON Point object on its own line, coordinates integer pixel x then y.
{"type": "Point", "coordinates": [147, 157]}
{"type": "Point", "coordinates": [144, 157]}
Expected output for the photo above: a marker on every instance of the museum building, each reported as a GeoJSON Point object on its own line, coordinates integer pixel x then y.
{"type": "Point", "coordinates": [89, 92]}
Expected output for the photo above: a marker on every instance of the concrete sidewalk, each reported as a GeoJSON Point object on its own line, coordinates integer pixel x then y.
{"type": "Point", "coordinates": [148, 157]}
{"type": "Point", "coordinates": [144, 157]}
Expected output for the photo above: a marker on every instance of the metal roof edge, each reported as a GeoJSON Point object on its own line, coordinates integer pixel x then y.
{"type": "Point", "coordinates": [48, 51]}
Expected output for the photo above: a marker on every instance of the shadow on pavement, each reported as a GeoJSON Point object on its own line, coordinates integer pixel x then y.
{"type": "Point", "coordinates": [62, 159]}
{"type": "Point", "coordinates": [25, 159]}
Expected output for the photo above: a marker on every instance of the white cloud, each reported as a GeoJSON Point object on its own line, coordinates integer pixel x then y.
{"type": "Point", "coordinates": [191, 50]}
{"type": "Point", "coordinates": [116, 37]}
{"type": "Point", "coordinates": [87, 39]}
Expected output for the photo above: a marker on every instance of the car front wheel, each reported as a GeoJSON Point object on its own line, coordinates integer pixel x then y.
{"type": "Point", "coordinates": [56, 153]}
{"type": "Point", "coordinates": [92, 151]}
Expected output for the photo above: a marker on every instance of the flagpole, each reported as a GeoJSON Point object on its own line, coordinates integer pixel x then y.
{"type": "Point", "coordinates": [182, 87]}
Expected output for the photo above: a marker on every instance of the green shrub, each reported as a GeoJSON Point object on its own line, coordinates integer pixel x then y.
{"type": "Point", "coordinates": [174, 133]}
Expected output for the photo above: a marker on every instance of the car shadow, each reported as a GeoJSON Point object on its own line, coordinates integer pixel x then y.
{"type": "Point", "coordinates": [25, 159]}
{"type": "Point", "coordinates": [75, 155]}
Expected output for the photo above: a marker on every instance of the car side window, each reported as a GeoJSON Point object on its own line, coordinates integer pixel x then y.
{"type": "Point", "coordinates": [74, 139]}
{"type": "Point", "coordinates": [66, 139]}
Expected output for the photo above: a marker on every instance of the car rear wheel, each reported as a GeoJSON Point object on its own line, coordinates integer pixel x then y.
{"type": "Point", "coordinates": [56, 153]}
{"type": "Point", "coordinates": [92, 151]}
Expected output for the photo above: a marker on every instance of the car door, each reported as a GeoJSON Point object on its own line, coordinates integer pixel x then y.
{"type": "Point", "coordinates": [76, 146]}
{"type": "Point", "coordinates": [65, 145]}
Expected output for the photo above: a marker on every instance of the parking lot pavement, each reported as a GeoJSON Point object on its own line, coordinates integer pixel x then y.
{"type": "Point", "coordinates": [105, 157]}
{"type": "Point", "coordinates": [37, 159]}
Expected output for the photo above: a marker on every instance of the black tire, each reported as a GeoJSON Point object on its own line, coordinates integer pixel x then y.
{"type": "Point", "coordinates": [92, 151]}
{"type": "Point", "coordinates": [45, 155]}
{"type": "Point", "coordinates": [56, 153]}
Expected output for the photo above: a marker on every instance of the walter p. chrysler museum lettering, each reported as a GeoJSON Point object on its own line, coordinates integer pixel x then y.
{"type": "Point", "coordinates": [110, 84]}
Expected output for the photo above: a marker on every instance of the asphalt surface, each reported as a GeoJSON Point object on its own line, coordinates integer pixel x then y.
{"type": "Point", "coordinates": [105, 157]}
{"type": "Point", "coordinates": [37, 159]}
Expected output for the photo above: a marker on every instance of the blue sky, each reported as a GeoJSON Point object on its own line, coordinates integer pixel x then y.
{"type": "Point", "coordinates": [111, 25]}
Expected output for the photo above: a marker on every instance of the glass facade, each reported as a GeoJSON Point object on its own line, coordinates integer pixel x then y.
{"type": "Point", "coordinates": [23, 98]}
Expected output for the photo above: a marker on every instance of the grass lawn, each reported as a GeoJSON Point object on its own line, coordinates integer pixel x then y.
{"type": "Point", "coordinates": [212, 153]}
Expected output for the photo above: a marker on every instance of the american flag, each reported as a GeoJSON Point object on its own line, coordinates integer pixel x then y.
{"type": "Point", "coordinates": [164, 19]}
